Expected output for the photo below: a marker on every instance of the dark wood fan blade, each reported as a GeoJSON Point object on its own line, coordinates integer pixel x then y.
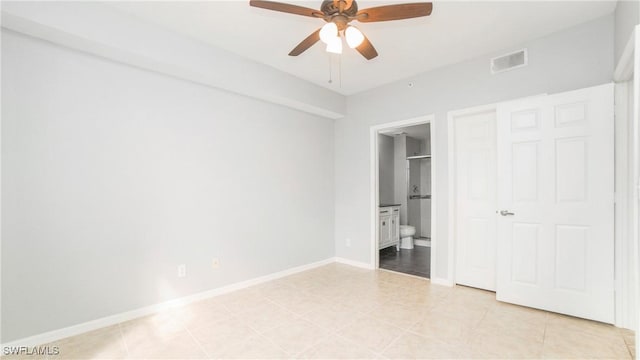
{"type": "Point", "coordinates": [306, 43]}
{"type": "Point", "coordinates": [366, 49]}
{"type": "Point", "coordinates": [395, 12]}
{"type": "Point", "coordinates": [286, 8]}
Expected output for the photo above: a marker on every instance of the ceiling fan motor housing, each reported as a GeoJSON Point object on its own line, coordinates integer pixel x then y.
{"type": "Point", "coordinates": [331, 7]}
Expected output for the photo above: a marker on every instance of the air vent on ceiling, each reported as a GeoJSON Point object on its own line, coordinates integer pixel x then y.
{"type": "Point", "coordinates": [509, 61]}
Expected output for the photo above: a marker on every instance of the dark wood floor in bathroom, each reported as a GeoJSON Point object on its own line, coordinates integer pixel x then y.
{"type": "Point", "coordinates": [415, 262]}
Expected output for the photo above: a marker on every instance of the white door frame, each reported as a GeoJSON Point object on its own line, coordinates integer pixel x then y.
{"type": "Point", "coordinates": [451, 163]}
{"type": "Point", "coordinates": [636, 171]}
{"type": "Point", "coordinates": [624, 249]}
{"type": "Point", "coordinates": [635, 158]}
{"type": "Point", "coordinates": [636, 161]}
{"type": "Point", "coordinates": [627, 186]}
{"type": "Point", "coordinates": [375, 188]}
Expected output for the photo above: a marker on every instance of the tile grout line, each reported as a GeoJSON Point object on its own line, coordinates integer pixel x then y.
{"type": "Point", "coordinates": [296, 315]}
{"type": "Point", "coordinates": [126, 346]}
{"type": "Point", "coordinates": [204, 351]}
{"type": "Point", "coordinates": [404, 331]}
{"type": "Point", "coordinates": [329, 333]}
{"type": "Point", "coordinates": [631, 353]}
{"type": "Point", "coordinates": [544, 334]}
{"type": "Point", "coordinates": [196, 341]}
{"type": "Point", "coordinates": [355, 343]}
{"type": "Point", "coordinates": [272, 342]}
{"type": "Point", "coordinates": [629, 350]}
{"type": "Point", "coordinates": [337, 331]}
{"type": "Point", "coordinates": [624, 338]}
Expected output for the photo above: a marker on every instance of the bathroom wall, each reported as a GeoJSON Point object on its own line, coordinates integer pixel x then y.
{"type": "Point", "coordinates": [414, 147]}
{"type": "Point", "coordinates": [425, 176]}
{"type": "Point", "coordinates": [411, 211]}
{"type": "Point", "coordinates": [400, 175]}
{"type": "Point", "coordinates": [386, 169]}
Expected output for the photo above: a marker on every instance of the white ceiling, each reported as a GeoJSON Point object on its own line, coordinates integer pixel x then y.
{"type": "Point", "coordinates": [455, 32]}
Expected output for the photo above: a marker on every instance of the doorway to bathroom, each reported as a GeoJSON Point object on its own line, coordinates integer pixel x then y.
{"type": "Point", "coordinates": [403, 216]}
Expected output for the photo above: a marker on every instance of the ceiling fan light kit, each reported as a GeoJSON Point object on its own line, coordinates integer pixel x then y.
{"type": "Point", "coordinates": [353, 36]}
{"type": "Point", "coordinates": [338, 14]}
{"type": "Point", "coordinates": [328, 32]}
{"type": "Point", "coordinates": [335, 45]}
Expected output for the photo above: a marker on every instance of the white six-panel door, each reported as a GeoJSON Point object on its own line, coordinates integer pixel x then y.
{"type": "Point", "coordinates": [555, 188]}
{"type": "Point", "coordinates": [475, 197]}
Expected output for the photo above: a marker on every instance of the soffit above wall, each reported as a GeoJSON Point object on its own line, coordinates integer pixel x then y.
{"type": "Point", "coordinates": [98, 29]}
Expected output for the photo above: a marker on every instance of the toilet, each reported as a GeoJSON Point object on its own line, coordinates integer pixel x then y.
{"type": "Point", "coordinates": [406, 236]}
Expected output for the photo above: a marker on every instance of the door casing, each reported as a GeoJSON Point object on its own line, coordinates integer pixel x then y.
{"type": "Point", "coordinates": [374, 186]}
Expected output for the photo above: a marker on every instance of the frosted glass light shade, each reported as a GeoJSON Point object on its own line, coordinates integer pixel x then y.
{"type": "Point", "coordinates": [335, 45]}
{"type": "Point", "coordinates": [354, 37]}
{"type": "Point", "coordinates": [328, 32]}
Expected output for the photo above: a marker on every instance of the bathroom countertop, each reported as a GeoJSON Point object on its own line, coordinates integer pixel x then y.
{"type": "Point", "coordinates": [389, 205]}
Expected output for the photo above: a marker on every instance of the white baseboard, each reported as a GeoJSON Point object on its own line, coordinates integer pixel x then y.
{"type": "Point", "coordinates": [354, 263]}
{"type": "Point", "coordinates": [54, 335]}
{"type": "Point", "coordinates": [441, 281]}
{"type": "Point", "coordinates": [420, 242]}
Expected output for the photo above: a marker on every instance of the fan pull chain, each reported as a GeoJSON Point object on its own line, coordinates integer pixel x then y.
{"type": "Point", "coordinates": [339, 62]}
{"type": "Point", "coordinates": [340, 70]}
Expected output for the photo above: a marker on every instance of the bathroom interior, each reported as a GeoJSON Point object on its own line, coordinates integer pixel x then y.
{"type": "Point", "coordinates": [404, 178]}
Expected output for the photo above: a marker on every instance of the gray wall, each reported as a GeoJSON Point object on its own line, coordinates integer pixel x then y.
{"type": "Point", "coordinates": [571, 59]}
{"type": "Point", "coordinates": [113, 176]}
{"type": "Point", "coordinates": [425, 175]}
{"type": "Point", "coordinates": [627, 16]}
{"type": "Point", "coordinates": [400, 174]}
{"type": "Point", "coordinates": [385, 169]}
{"type": "Point", "coordinates": [414, 147]}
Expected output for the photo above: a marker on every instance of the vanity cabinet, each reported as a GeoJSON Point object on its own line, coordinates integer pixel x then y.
{"type": "Point", "coordinates": [388, 226]}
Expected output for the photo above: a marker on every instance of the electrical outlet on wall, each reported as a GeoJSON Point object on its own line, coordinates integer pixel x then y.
{"type": "Point", "coordinates": [182, 270]}
{"type": "Point", "coordinates": [215, 263]}
{"type": "Point", "coordinates": [348, 242]}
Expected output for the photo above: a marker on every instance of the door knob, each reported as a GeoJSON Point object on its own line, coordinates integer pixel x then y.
{"type": "Point", "coordinates": [506, 213]}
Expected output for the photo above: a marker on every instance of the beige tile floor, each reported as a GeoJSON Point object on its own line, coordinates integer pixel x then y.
{"type": "Point", "coordinates": [341, 312]}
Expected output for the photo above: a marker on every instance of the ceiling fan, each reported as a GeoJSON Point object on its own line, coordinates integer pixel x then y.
{"type": "Point", "coordinates": [338, 14]}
